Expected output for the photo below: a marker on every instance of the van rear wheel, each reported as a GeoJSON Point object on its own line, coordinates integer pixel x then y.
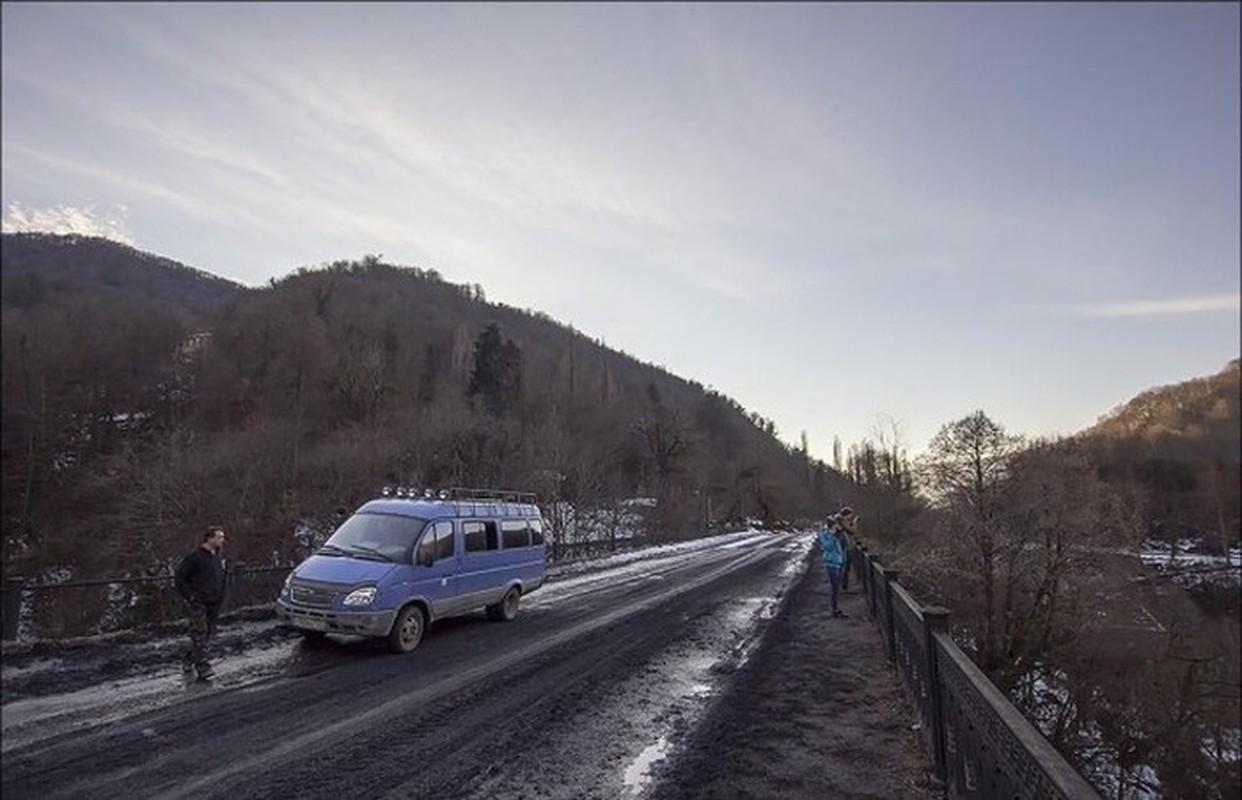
{"type": "Point", "coordinates": [407, 631]}
{"type": "Point", "coordinates": [507, 608]}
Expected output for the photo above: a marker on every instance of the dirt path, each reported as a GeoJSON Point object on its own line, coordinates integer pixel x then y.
{"type": "Point", "coordinates": [819, 712]}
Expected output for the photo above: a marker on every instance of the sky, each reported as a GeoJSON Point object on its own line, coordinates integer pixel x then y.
{"type": "Point", "coordinates": [857, 220]}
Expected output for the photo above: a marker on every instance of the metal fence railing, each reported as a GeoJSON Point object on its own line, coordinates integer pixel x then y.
{"type": "Point", "coordinates": [89, 607]}
{"type": "Point", "coordinates": [62, 610]}
{"type": "Point", "coordinates": [980, 743]}
{"type": "Point", "coordinates": [574, 551]}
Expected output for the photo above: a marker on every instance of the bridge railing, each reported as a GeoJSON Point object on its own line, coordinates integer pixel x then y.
{"type": "Point", "coordinates": [106, 605]}
{"type": "Point", "coordinates": [67, 609]}
{"type": "Point", "coordinates": [980, 743]}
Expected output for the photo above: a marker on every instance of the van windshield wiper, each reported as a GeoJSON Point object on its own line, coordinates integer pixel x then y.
{"type": "Point", "coordinates": [369, 551]}
{"type": "Point", "coordinates": [330, 550]}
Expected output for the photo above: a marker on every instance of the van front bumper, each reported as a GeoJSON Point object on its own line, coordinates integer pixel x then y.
{"type": "Point", "coordinates": [353, 623]}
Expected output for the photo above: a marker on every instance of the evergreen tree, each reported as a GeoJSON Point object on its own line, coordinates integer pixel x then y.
{"type": "Point", "coordinates": [496, 378]}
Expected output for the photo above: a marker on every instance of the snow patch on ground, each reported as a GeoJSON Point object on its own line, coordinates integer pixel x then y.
{"type": "Point", "coordinates": [637, 775]}
{"type": "Point", "coordinates": [35, 718]}
{"type": "Point", "coordinates": [1190, 566]}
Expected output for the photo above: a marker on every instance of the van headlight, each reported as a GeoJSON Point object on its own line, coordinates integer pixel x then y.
{"type": "Point", "coordinates": [360, 597]}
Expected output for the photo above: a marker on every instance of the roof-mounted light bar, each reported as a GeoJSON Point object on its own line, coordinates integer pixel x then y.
{"type": "Point", "coordinates": [458, 494]}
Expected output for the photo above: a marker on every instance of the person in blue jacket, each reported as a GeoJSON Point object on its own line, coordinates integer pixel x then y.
{"type": "Point", "coordinates": [847, 527]}
{"type": "Point", "coordinates": [834, 559]}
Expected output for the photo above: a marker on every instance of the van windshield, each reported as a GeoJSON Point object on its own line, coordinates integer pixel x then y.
{"type": "Point", "coordinates": [383, 537]}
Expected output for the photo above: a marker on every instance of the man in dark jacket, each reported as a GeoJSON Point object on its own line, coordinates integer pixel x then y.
{"type": "Point", "coordinates": [201, 579]}
{"type": "Point", "coordinates": [848, 525]}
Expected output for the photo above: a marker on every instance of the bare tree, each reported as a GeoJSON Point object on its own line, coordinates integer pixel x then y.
{"type": "Point", "coordinates": [962, 473]}
{"type": "Point", "coordinates": [1056, 525]}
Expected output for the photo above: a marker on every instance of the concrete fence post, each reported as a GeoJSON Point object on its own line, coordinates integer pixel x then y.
{"type": "Point", "coordinates": [873, 568]}
{"type": "Point", "coordinates": [891, 577]}
{"type": "Point", "coordinates": [12, 608]}
{"type": "Point", "coordinates": [936, 620]}
{"type": "Point", "coordinates": [864, 575]}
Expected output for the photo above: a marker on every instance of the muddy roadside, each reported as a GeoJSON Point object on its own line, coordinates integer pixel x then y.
{"type": "Point", "coordinates": [817, 712]}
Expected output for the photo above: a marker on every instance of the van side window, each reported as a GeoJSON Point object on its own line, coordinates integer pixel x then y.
{"type": "Point", "coordinates": [480, 536]}
{"type": "Point", "coordinates": [515, 533]}
{"type": "Point", "coordinates": [536, 531]}
{"type": "Point", "coordinates": [445, 544]}
{"type": "Point", "coordinates": [437, 541]}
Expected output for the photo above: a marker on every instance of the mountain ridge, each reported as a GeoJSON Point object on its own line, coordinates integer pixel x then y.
{"type": "Point", "coordinates": [34, 263]}
{"type": "Point", "coordinates": [1197, 410]}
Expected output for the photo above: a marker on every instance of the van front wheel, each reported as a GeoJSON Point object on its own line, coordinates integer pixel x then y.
{"type": "Point", "coordinates": [407, 631]}
{"type": "Point", "coordinates": [507, 608]}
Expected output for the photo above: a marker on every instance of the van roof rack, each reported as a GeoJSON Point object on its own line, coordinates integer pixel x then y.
{"type": "Point", "coordinates": [502, 495]}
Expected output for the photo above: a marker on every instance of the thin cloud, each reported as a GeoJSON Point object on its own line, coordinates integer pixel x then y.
{"type": "Point", "coordinates": [1175, 306]}
{"type": "Point", "coordinates": [196, 206]}
{"type": "Point", "coordinates": [67, 220]}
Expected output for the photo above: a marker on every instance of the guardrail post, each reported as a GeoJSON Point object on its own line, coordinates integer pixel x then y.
{"type": "Point", "coordinates": [12, 608]}
{"type": "Point", "coordinates": [890, 576]}
{"type": "Point", "coordinates": [864, 574]}
{"type": "Point", "coordinates": [873, 585]}
{"type": "Point", "coordinates": [936, 620]}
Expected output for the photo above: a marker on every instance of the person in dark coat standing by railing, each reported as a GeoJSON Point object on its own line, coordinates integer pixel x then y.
{"type": "Point", "coordinates": [847, 524]}
{"type": "Point", "coordinates": [201, 580]}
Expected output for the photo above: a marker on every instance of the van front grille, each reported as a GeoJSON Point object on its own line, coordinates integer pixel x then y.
{"type": "Point", "coordinates": [316, 595]}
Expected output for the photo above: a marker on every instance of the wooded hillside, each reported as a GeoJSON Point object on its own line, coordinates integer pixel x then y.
{"type": "Point", "coordinates": [1180, 446]}
{"type": "Point", "coordinates": [143, 400]}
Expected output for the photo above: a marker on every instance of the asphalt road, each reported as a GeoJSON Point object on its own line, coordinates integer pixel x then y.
{"type": "Point", "coordinates": [600, 679]}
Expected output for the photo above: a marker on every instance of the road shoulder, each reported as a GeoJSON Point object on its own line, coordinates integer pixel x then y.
{"type": "Point", "coordinates": [818, 711]}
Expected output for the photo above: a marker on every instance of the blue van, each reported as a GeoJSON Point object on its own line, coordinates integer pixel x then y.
{"type": "Point", "coordinates": [408, 558]}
